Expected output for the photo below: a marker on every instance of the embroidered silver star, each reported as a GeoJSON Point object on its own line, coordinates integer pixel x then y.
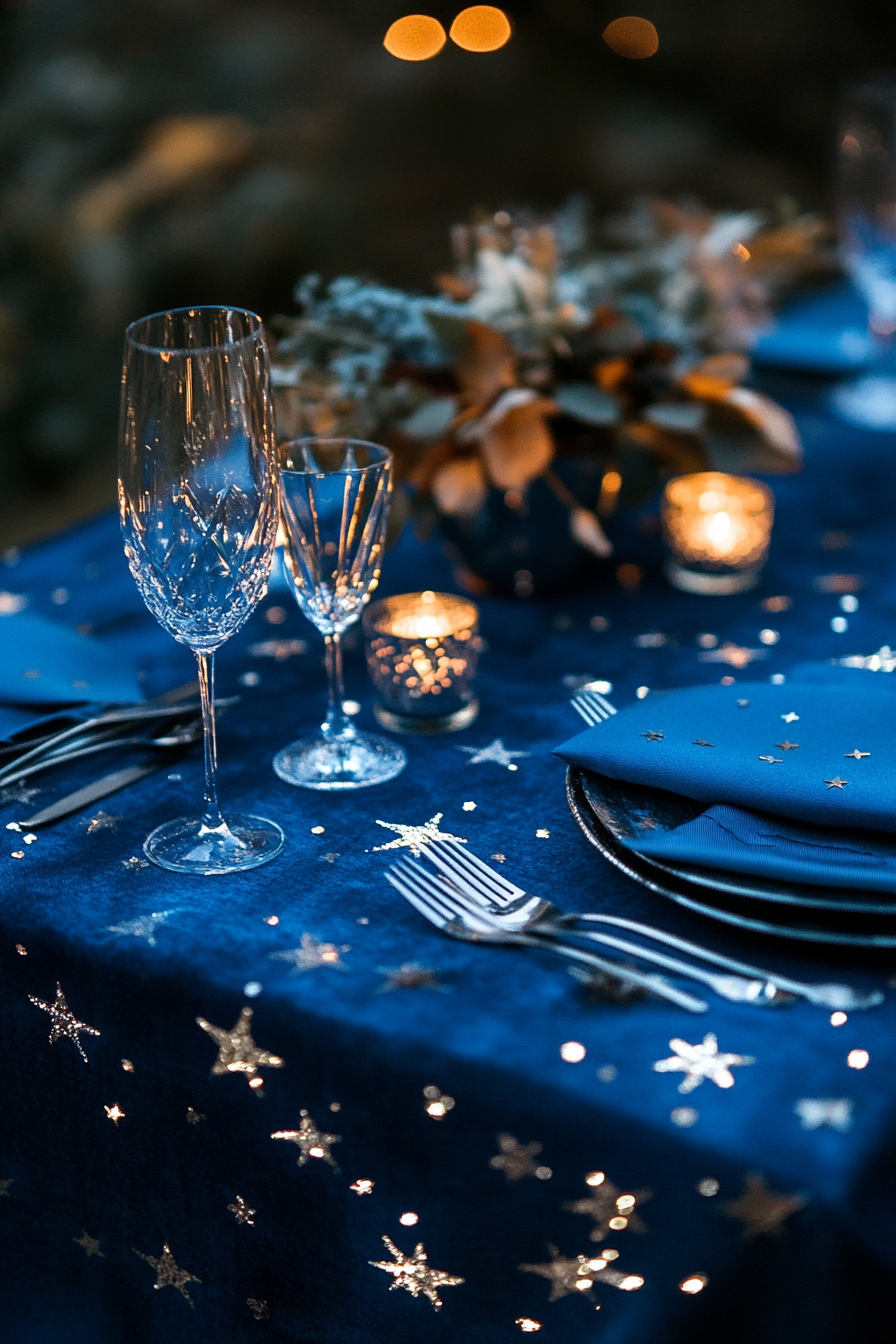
{"type": "Point", "coordinates": [65, 1024]}
{"type": "Point", "coordinates": [17, 793]}
{"type": "Point", "coordinates": [495, 752]}
{"type": "Point", "coordinates": [143, 927]}
{"type": "Point", "coordinates": [311, 954]}
{"type": "Point", "coordinates": [415, 837]}
{"type": "Point", "coordinates": [817, 1111]}
{"type": "Point", "coordinates": [697, 1062]}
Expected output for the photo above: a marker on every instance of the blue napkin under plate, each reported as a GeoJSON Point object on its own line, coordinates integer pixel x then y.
{"type": "Point", "coordinates": [42, 663]}
{"type": "Point", "coordinates": [766, 758]}
{"type": "Point", "coordinates": [825, 333]}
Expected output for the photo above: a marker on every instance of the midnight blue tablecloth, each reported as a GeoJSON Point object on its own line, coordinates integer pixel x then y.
{"type": "Point", "coordinates": [489, 1035]}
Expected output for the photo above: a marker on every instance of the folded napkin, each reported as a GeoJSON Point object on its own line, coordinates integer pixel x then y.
{"type": "Point", "coordinates": [822, 754]}
{"type": "Point", "coordinates": [45, 663]}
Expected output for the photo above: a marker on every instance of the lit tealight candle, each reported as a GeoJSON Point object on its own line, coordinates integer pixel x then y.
{"type": "Point", "coordinates": [422, 650]}
{"type": "Point", "coordinates": [718, 528]}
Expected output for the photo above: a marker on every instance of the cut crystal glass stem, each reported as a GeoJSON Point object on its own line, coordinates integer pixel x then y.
{"type": "Point", "coordinates": [337, 727]}
{"type": "Point", "coordinates": [211, 816]}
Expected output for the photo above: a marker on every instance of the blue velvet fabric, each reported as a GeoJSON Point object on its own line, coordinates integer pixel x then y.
{"type": "Point", "coordinates": [490, 1037]}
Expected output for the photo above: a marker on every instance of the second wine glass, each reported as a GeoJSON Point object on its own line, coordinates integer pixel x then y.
{"type": "Point", "coordinates": [334, 504]}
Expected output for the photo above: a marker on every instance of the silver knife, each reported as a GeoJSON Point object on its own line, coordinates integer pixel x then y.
{"type": "Point", "coordinates": [92, 793]}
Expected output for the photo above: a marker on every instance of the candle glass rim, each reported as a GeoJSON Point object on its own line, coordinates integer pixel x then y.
{"type": "Point", "coordinates": [370, 619]}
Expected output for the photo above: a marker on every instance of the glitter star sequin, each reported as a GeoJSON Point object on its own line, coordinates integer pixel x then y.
{"type": "Point", "coordinates": [17, 793]}
{"type": "Point", "coordinates": [5, 1183]}
{"type": "Point", "coordinates": [133, 864]}
{"type": "Point", "coordinates": [517, 1160]}
{"type": "Point", "coordinates": [65, 1024]}
{"type": "Point", "coordinates": [790, 717]}
{"type": "Point", "coordinates": [569, 1275]}
{"type": "Point", "coordinates": [817, 1111]}
{"type": "Point", "coordinates": [762, 1212]}
{"type": "Point", "coordinates": [611, 1209]}
{"type": "Point", "coordinates": [856, 755]}
{"type": "Point", "coordinates": [362, 1187]}
{"type": "Point", "coordinates": [495, 753]}
{"type": "Point", "coordinates": [115, 1113]}
{"type": "Point", "coordinates": [787, 746]}
{"type": "Point", "coordinates": [194, 1117]}
{"type": "Point", "coordinates": [735, 655]}
{"type": "Point", "coordinates": [258, 1308]}
{"type": "Point", "coordinates": [773, 760]}
{"type": "Point", "coordinates": [654, 737]}
{"type": "Point", "coordinates": [412, 1272]}
{"type": "Point", "coordinates": [415, 837]}
{"type": "Point", "coordinates": [310, 954]}
{"type": "Point", "coordinates": [527, 1325]}
{"type": "Point", "coordinates": [168, 1275]}
{"type": "Point", "coordinates": [312, 1142]}
{"type": "Point", "coordinates": [410, 975]}
{"type": "Point", "coordinates": [103, 821]}
{"type": "Point", "coordinates": [89, 1245]}
{"type": "Point", "coordinates": [697, 1062]}
{"type": "Point", "coordinates": [143, 927]}
{"type": "Point", "coordinates": [438, 1103]}
{"type": "Point", "coordinates": [237, 1052]}
{"type": "Point", "coordinates": [836, 783]}
{"type": "Point", "coordinates": [242, 1212]}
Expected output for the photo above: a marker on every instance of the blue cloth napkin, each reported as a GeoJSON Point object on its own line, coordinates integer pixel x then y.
{"type": "Point", "coordinates": [762, 753]}
{"type": "Point", "coordinates": [827, 333]}
{"type": "Point", "coordinates": [42, 663]}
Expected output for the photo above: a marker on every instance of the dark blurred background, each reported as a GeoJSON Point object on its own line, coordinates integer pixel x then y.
{"type": "Point", "coordinates": [166, 152]}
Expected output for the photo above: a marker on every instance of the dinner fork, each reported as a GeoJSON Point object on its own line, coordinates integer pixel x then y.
{"type": "Point", "coordinates": [444, 907]}
{"type": "Point", "coordinates": [510, 904]}
{"type": "Point", "coordinates": [593, 707]}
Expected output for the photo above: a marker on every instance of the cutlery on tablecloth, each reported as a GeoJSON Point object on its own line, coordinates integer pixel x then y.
{"type": "Point", "coordinates": [500, 899]}
{"type": "Point", "coordinates": [100, 788]}
{"type": "Point", "coordinates": [592, 706]}
{"type": "Point", "coordinates": [440, 904]}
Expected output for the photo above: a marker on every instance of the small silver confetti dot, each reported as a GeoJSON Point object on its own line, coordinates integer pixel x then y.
{"type": "Point", "coordinates": [777, 679]}
{"type": "Point", "coordinates": [709, 1186]}
{"type": "Point", "coordinates": [175, 779]}
{"type": "Point", "coordinates": [607, 1073]}
{"type": "Point", "coordinates": [248, 679]}
{"type": "Point", "coordinates": [684, 1116]}
{"type": "Point", "coordinates": [642, 692]}
{"type": "Point", "coordinates": [469, 807]}
{"type": "Point", "coordinates": [849, 603]}
{"type": "Point", "coordinates": [351, 707]}
{"type": "Point", "coordinates": [768, 636]}
{"type": "Point", "coordinates": [252, 989]}
{"type": "Point", "coordinates": [839, 625]}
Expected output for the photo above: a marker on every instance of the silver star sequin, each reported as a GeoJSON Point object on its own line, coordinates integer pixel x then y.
{"type": "Point", "coordinates": [697, 1062]}
{"type": "Point", "coordinates": [856, 755]}
{"type": "Point", "coordinates": [762, 1211]}
{"type": "Point", "coordinates": [240, 1209]}
{"type": "Point", "coordinates": [89, 1245]}
{"type": "Point", "coordinates": [237, 1052]}
{"type": "Point", "coordinates": [412, 1272]}
{"type": "Point", "coordinates": [577, 1274]}
{"type": "Point", "coordinates": [817, 1111]}
{"type": "Point", "coordinates": [415, 837]}
{"type": "Point", "coordinates": [495, 753]}
{"type": "Point", "coordinates": [64, 1021]}
{"type": "Point", "coordinates": [143, 927]}
{"type": "Point", "coordinates": [103, 821]}
{"type": "Point", "coordinates": [836, 783]}
{"type": "Point", "coordinates": [735, 655]}
{"type": "Point", "coordinates": [517, 1160]}
{"type": "Point", "coordinates": [409, 975]}
{"type": "Point", "coordinates": [168, 1274]}
{"type": "Point", "coordinates": [311, 1141]}
{"type": "Point", "coordinates": [790, 717]}
{"type": "Point", "coordinates": [310, 954]}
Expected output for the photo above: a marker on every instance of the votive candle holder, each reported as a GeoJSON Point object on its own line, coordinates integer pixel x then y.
{"type": "Point", "coordinates": [422, 652]}
{"type": "Point", "coordinates": [718, 528]}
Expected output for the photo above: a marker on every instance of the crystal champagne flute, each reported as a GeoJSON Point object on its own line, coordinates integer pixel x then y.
{"type": "Point", "coordinates": [334, 503]}
{"type": "Point", "coordinates": [197, 493]}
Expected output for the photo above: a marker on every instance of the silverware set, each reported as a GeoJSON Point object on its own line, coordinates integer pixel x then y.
{"type": "Point", "coordinates": [467, 899]}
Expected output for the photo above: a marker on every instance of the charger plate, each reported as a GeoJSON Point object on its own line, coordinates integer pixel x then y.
{"type": "Point", "coordinates": [610, 810]}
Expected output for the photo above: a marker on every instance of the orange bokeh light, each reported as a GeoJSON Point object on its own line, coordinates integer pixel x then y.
{"type": "Point", "coordinates": [635, 39]}
{"type": "Point", "coordinates": [480, 28]}
{"type": "Point", "coordinates": [416, 37]}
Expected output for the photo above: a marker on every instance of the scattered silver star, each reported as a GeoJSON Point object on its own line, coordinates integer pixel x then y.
{"type": "Point", "coordinates": [787, 746]}
{"type": "Point", "coordinates": [90, 1245]}
{"type": "Point", "coordinates": [410, 975]}
{"type": "Point", "coordinates": [133, 865]}
{"type": "Point", "coordinates": [5, 1183]}
{"type": "Point", "coordinates": [698, 742]}
{"type": "Point", "coordinates": [653, 737]}
{"type": "Point", "coordinates": [517, 1160]}
{"type": "Point", "coordinates": [17, 793]}
{"type": "Point", "coordinates": [241, 1210]}
{"type": "Point", "coordinates": [762, 1211]}
{"type": "Point", "coordinates": [495, 753]}
{"type": "Point", "coordinates": [412, 1272]}
{"type": "Point", "coordinates": [143, 927]}
{"type": "Point", "coordinates": [311, 954]}
{"type": "Point", "coordinates": [415, 837]}
{"type": "Point", "coordinates": [836, 783]}
{"type": "Point", "coordinates": [856, 755]}
{"type": "Point", "coordinates": [114, 1113]}
{"type": "Point", "coordinates": [791, 717]}
{"type": "Point", "coordinates": [194, 1117]}
{"type": "Point", "coordinates": [773, 760]}
{"type": "Point", "coordinates": [103, 821]}
{"type": "Point", "coordinates": [735, 655]}
{"type": "Point", "coordinates": [237, 1052]}
{"type": "Point", "coordinates": [609, 1207]}
{"type": "Point", "coordinates": [64, 1021]}
{"type": "Point", "coordinates": [312, 1142]}
{"type": "Point", "coordinates": [697, 1062]}
{"type": "Point", "coordinates": [817, 1111]}
{"type": "Point", "coordinates": [568, 1275]}
{"type": "Point", "coordinates": [168, 1275]}
{"type": "Point", "coordinates": [258, 1308]}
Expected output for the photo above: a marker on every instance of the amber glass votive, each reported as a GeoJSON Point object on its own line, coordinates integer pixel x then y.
{"type": "Point", "coordinates": [422, 650]}
{"type": "Point", "coordinates": [718, 529]}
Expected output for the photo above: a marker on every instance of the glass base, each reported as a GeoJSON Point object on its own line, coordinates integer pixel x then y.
{"type": "Point", "coordinates": [869, 402]}
{"type": "Point", "coordinates": [187, 846]}
{"type": "Point", "coordinates": [353, 763]}
{"type": "Point", "coordinates": [425, 725]}
{"type": "Point", "coordinates": [709, 584]}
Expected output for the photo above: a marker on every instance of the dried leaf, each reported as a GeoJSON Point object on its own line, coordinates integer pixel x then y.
{"type": "Point", "coordinates": [587, 531]}
{"type": "Point", "coordinates": [588, 404]}
{"type": "Point", "coordinates": [487, 365]}
{"type": "Point", "coordinates": [610, 373]}
{"type": "Point", "coordinates": [713, 378]}
{"type": "Point", "coordinates": [459, 488]}
{"type": "Point", "coordinates": [453, 287]}
{"type": "Point", "coordinates": [519, 446]}
{"type": "Point", "coordinates": [775, 424]}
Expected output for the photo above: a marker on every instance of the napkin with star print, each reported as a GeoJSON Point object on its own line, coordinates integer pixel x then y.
{"type": "Point", "coordinates": [796, 776]}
